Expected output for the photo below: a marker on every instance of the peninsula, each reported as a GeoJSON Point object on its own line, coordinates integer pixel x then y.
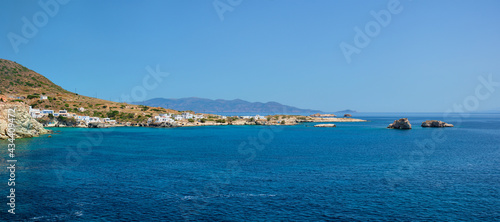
{"type": "Point", "coordinates": [45, 104]}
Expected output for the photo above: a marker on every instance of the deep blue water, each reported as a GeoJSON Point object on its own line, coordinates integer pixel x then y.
{"type": "Point", "coordinates": [355, 172]}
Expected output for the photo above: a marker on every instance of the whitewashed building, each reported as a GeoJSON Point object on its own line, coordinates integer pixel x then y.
{"type": "Point", "coordinates": [35, 113]}
{"type": "Point", "coordinates": [187, 115]}
{"type": "Point", "coordinates": [63, 113]}
{"type": "Point", "coordinates": [94, 120]}
{"type": "Point", "coordinates": [163, 119]}
{"type": "Point", "coordinates": [47, 112]}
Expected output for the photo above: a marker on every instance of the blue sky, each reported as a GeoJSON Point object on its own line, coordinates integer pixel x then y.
{"type": "Point", "coordinates": [427, 58]}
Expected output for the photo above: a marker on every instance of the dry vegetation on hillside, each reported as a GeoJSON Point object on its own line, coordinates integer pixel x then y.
{"type": "Point", "coordinates": [19, 81]}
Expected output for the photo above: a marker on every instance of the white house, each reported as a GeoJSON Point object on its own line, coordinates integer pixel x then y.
{"type": "Point", "coordinates": [199, 116]}
{"type": "Point", "coordinates": [35, 113]}
{"type": "Point", "coordinates": [94, 120]}
{"type": "Point", "coordinates": [187, 115]}
{"type": "Point", "coordinates": [63, 113]}
{"type": "Point", "coordinates": [42, 97]}
{"type": "Point", "coordinates": [85, 119]}
{"type": "Point", "coordinates": [81, 109]}
{"type": "Point", "coordinates": [257, 117]}
{"type": "Point", "coordinates": [177, 117]}
{"type": "Point", "coordinates": [47, 112]}
{"type": "Point", "coordinates": [163, 119]}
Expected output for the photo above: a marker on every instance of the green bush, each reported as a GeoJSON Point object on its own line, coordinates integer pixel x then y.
{"type": "Point", "coordinates": [33, 96]}
{"type": "Point", "coordinates": [112, 114]}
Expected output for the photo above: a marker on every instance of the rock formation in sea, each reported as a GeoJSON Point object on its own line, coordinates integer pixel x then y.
{"type": "Point", "coordinates": [24, 125]}
{"type": "Point", "coordinates": [402, 123]}
{"type": "Point", "coordinates": [435, 123]}
{"type": "Point", "coordinates": [325, 125]}
{"type": "Point", "coordinates": [347, 115]}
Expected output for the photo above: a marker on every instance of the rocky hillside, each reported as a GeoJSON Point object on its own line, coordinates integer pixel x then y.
{"type": "Point", "coordinates": [20, 84]}
{"type": "Point", "coordinates": [24, 124]}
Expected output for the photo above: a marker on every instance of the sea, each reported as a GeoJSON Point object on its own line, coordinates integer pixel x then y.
{"type": "Point", "coordinates": [353, 172]}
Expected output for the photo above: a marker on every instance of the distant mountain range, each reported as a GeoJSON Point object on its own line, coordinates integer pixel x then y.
{"type": "Point", "coordinates": [347, 111]}
{"type": "Point", "coordinates": [223, 106]}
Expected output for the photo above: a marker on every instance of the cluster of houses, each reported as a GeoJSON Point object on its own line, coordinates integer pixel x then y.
{"type": "Point", "coordinates": [161, 118]}
{"type": "Point", "coordinates": [37, 113]}
{"type": "Point", "coordinates": [170, 118]}
{"type": "Point", "coordinates": [256, 117]}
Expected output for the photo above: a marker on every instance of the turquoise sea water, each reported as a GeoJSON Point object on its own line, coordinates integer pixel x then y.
{"type": "Point", "coordinates": [354, 172]}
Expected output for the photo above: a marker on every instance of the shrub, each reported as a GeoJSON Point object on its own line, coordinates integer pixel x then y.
{"type": "Point", "coordinates": [112, 114]}
{"type": "Point", "coordinates": [66, 121]}
{"type": "Point", "coordinates": [191, 120]}
{"type": "Point", "coordinates": [32, 96]}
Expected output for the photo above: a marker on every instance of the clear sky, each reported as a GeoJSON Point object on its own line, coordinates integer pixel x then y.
{"type": "Point", "coordinates": [426, 58]}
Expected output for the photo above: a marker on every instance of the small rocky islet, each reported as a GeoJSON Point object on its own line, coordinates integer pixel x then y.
{"type": "Point", "coordinates": [435, 123]}
{"type": "Point", "coordinates": [404, 123]}
{"type": "Point", "coordinates": [325, 125]}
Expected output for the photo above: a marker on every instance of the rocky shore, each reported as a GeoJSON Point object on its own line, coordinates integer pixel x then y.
{"type": "Point", "coordinates": [25, 125]}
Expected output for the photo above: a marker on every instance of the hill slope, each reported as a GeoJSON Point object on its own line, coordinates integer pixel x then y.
{"type": "Point", "coordinates": [21, 84]}
{"type": "Point", "coordinates": [223, 106]}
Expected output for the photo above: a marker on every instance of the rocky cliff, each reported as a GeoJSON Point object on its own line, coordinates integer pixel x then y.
{"type": "Point", "coordinates": [25, 125]}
